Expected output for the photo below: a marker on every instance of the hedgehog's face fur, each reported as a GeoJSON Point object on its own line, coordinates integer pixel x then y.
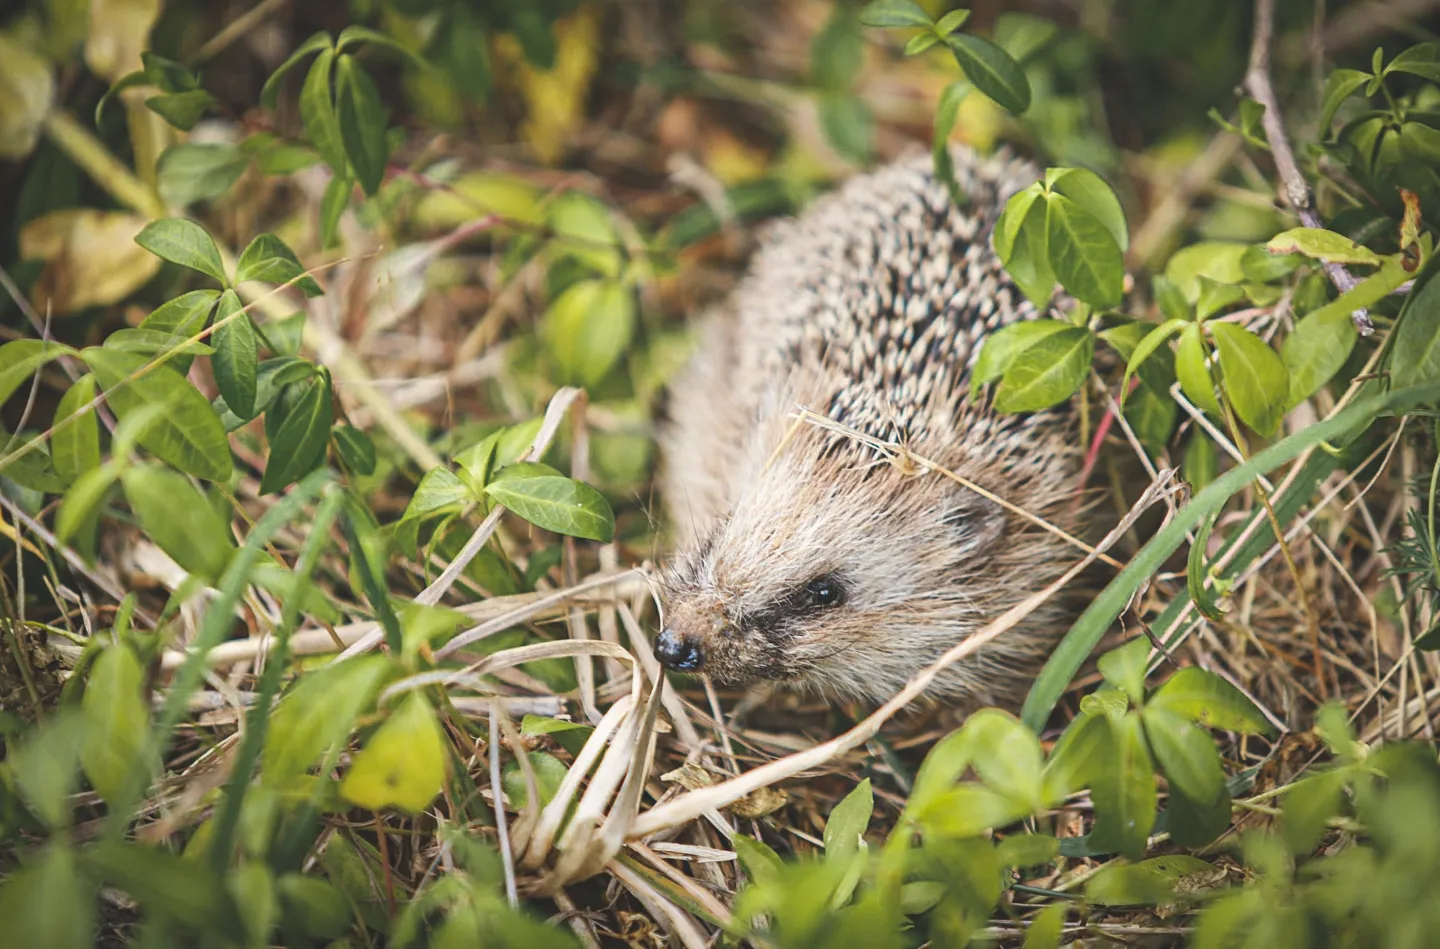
{"type": "Point", "coordinates": [835, 571]}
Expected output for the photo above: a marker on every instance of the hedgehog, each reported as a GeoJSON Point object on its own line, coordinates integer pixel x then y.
{"type": "Point", "coordinates": [814, 555]}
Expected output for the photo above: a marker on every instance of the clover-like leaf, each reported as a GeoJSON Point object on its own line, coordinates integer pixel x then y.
{"type": "Point", "coordinates": [182, 241]}
{"type": "Point", "coordinates": [556, 503]}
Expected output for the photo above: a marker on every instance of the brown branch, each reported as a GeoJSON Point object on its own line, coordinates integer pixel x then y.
{"type": "Point", "coordinates": [1296, 188]}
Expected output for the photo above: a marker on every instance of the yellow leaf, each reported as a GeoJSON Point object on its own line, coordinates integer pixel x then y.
{"type": "Point", "coordinates": [476, 194]}
{"type": "Point", "coordinates": [27, 89]}
{"type": "Point", "coordinates": [554, 99]}
{"type": "Point", "coordinates": [91, 258]}
{"type": "Point", "coordinates": [119, 33]}
{"type": "Point", "coordinates": [403, 764]}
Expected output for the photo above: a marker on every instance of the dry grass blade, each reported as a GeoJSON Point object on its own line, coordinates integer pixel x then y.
{"type": "Point", "coordinates": [493, 615]}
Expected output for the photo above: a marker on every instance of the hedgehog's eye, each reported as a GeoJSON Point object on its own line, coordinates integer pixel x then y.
{"type": "Point", "coordinates": [824, 591]}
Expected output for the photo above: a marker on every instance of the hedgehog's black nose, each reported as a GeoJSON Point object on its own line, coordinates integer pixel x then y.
{"type": "Point", "coordinates": [678, 653]}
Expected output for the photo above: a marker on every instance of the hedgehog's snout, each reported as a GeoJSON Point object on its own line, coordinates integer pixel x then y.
{"type": "Point", "coordinates": [692, 625]}
{"type": "Point", "coordinates": [677, 652]}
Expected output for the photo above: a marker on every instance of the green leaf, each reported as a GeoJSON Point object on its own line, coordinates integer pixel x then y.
{"type": "Point", "coordinates": [1313, 353]}
{"type": "Point", "coordinates": [1218, 260]}
{"type": "Point", "coordinates": [947, 110]}
{"type": "Point", "coordinates": [44, 763]}
{"type": "Point", "coordinates": [1047, 372]}
{"type": "Point", "coordinates": [166, 885]}
{"type": "Point", "coordinates": [269, 259]}
{"type": "Point", "coordinates": [188, 172]}
{"type": "Point", "coordinates": [1199, 809]}
{"type": "Point", "coordinates": [836, 50]}
{"type": "Point", "coordinates": [297, 427]}
{"type": "Point", "coordinates": [180, 519]}
{"type": "Point", "coordinates": [1193, 373]}
{"type": "Point", "coordinates": [1022, 243]}
{"type": "Point", "coordinates": [21, 358]}
{"type": "Point", "coordinates": [894, 13]}
{"type": "Point", "coordinates": [558, 504]}
{"type": "Point", "coordinates": [182, 241]}
{"type": "Point", "coordinates": [185, 431]}
{"type": "Point", "coordinates": [403, 764]}
{"type": "Point", "coordinates": [588, 329]}
{"type": "Point", "coordinates": [1309, 806]}
{"type": "Point", "coordinates": [318, 714]}
{"type": "Point", "coordinates": [1255, 377]}
{"type": "Point", "coordinates": [1201, 465]}
{"type": "Point", "coordinates": [761, 864]}
{"type": "Point", "coordinates": [47, 902]}
{"type": "Point", "coordinates": [1046, 928]}
{"type": "Point", "coordinates": [317, 111]}
{"type": "Point", "coordinates": [1204, 597]}
{"type": "Point", "coordinates": [1332, 724]}
{"type": "Point", "coordinates": [355, 449]}
{"type": "Point", "coordinates": [846, 826]}
{"type": "Point", "coordinates": [549, 773]}
{"type": "Point", "coordinates": [438, 491]}
{"type": "Point", "coordinates": [1206, 699]}
{"type": "Point", "coordinates": [181, 109]}
{"type": "Point", "coordinates": [237, 358]}
{"type": "Point", "coordinates": [1068, 657]}
{"type": "Point", "coordinates": [30, 467]}
{"type": "Point", "coordinates": [1147, 346]}
{"type": "Point", "coordinates": [184, 317]}
{"type": "Point", "coordinates": [991, 70]}
{"type": "Point", "coordinates": [1080, 757]}
{"type": "Point", "coordinates": [1339, 86]}
{"type": "Point", "coordinates": [362, 123]}
{"type": "Point", "coordinates": [127, 81]}
{"type": "Point", "coordinates": [270, 92]}
{"type": "Point", "coordinates": [151, 343]}
{"type": "Point", "coordinates": [999, 349]}
{"type": "Point", "coordinates": [920, 42]}
{"type": "Point", "coordinates": [1090, 192]}
{"type": "Point", "coordinates": [1323, 245]}
{"type": "Point", "coordinates": [1006, 755]}
{"type": "Point", "coordinates": [332, 207]}
{"type": "Point", "coordinates": [1027, 850]}
{"type": "Point", "coordinates": [362, 34]}
{"type": "Point", "coordinates": [951, 22]}
{"type": "Point", "coordinates": [1124, 794]}
{"type": "Point", "coordinates": [1416, 349]}
{"type": "Point", "coordinates": [75, 440]}
{"type": "Point", "coordinates": [848, 127]}
{"type": "Point", "coordinates": [1422, 59]}
{"type": "Point", "coordinates": [969, 810]}
{"type": "Point", "coordinates": [117, 722]}
{"type": "Point", "coordinates": [82, 501]}
{"type": "Point", "coordinates": [1124, 668]}
{"type": "Point", "coordinates": [1152, 415]}
{"type": "Point", "coordinates": [1084, 256]}
{"type": "Point", "coordinates": [168, 75]}
{"type": "Point", "coordinates": [942, 767]}
{"type": "Point", "coordinates": [313, 906]}
{"type": "Point", "coordinates": [1214, 296]}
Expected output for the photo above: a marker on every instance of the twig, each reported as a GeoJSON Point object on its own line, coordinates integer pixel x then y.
{"type": "Point", "coordinates": [237, 28]}
{"type": "Point", "coordinates": [1296, 188]}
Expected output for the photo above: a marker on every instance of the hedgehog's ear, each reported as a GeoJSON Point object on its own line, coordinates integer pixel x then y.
{"type": "Point", "coordinates": [976, 523]}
